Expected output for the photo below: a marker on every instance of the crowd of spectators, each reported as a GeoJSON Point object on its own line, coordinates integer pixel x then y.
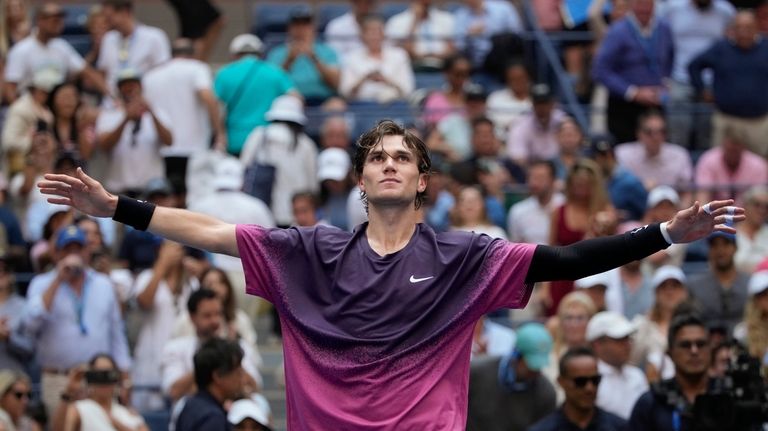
{"type": "Point", "coordinates": [90, 309]}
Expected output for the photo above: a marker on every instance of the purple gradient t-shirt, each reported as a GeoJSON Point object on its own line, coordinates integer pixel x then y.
{"type": "Point", "coordinates": [380, 342]}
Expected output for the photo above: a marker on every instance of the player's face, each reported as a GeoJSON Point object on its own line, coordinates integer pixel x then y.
{"type": "Point", "coordinates": [391, 174]}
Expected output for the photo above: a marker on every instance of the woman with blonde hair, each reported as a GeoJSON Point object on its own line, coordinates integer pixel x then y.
{"type": "Point", "coordinates": [582, 216]}
{"type": "Point", "coordinates": [568, 329]}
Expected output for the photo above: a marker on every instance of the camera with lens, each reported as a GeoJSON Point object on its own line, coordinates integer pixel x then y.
{"type": "Point", "coordinates": [738, 401]}
{"type": "Point", "coordinates": [102, 377]}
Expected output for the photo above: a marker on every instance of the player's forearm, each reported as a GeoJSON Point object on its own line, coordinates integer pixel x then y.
{"type": "Point", "coordinates": [194, 229]}
{"type": "Point", "coordinates": [594, 255]}
{"type": "Point", "coordinates": [187, 227]}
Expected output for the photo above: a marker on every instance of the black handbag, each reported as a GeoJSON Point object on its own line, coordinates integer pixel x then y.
{"type": "Point", "coordinates": [259, 177]}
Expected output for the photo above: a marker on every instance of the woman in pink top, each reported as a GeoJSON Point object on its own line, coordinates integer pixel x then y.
{"type": "Point", "coordinates": [450, 99]}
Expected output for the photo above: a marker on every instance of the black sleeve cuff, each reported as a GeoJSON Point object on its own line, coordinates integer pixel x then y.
{"type": "Point", "coordinates": [594, 255]}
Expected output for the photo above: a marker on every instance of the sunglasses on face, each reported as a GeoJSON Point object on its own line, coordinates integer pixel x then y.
{"type": "Point", "coordinates": [688, 344]}
{"type": "Point", "coordinates": [581, 382]}
{"type": "Point", "coordinates": [21, 394]}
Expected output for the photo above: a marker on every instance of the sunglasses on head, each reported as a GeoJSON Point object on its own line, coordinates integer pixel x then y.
{"type": "Point", "coordinates": [582, 381]}
{"type": "Point", "coordinates": [687, 344]}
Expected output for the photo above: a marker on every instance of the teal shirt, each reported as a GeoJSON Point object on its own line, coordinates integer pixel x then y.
{"type": "Point", "coordinates": [245, 111]}
{"type": "Point", "coordinates": [303, 71]}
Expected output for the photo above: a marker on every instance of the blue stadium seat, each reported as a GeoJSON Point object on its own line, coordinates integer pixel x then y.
{"type": "Point", "coordinates": [451, 6]}
{"type": "Point", "coordinates": [367, 114]}
{"type": "Point", "coordinates": [388, 10]}
{"type": "Point", "coordinates": [429, 80]}
{"type": "Point", "coordinates": [76, 18]}
{"type": "Point", "coordinates": [157, 421]}
{"type": "Point", "coordinates": [81, 42]}
{"type": "Point", "coordinates": [328, 11]}
{"type": "Point", "coordinates": [272, 17]}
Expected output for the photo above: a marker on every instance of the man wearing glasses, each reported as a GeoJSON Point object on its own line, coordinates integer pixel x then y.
{"type": "Point", "coordinates": [669, 405]}
{"type": "Point", "coordinates": [654, 160]}
{"type": "Point", "coordinates": [580, 379]}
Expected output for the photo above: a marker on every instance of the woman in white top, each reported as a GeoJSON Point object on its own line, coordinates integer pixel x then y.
{"type": "Point", "coordinates": [376, 73]}
{"type": "Point", "coordinates": [649, 345]}
{"type": "Point", "coordinates": [506, 105]}
{"type": "Point", "coordinates": [99, 411]}
{"type": "Point", "coordinates": [469, 214]}
{"type": "Point", "coordinates": [284, 145]}
{"type": "Point", "coordinates": [162, 294]}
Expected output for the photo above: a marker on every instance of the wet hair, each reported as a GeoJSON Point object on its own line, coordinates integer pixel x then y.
{"type": "Point", "coordinates": [572, 353]}
{"type": "Point", "coordinates": [373, 137]}
{"type": "Point", "coordinates": [216, 356]}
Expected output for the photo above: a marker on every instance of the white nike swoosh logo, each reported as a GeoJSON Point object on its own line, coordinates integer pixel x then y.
{"type": "Point", "coordinates": [417, 280]}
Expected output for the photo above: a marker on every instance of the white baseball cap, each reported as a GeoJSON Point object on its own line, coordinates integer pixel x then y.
{"type": "Point", "coordinates": [663, 193]}
{"type": "Point", "coordinates": [229, 174]}
{"type": "Point", "coordinates": [333, 164]}
{"type": "Point", "coordinates": [603, 278]}
{"type": "Point", "coordinates": [667, 272]}
{"type": "Point", "coordinates": [609, 324]}
{"type": "Point", "coordinates": [246, 44]}
{"type": "Point", "coordinates": [758, 283]}
{"type": "Point", "coordinates": [247, 408]}
{"type": "Point", "coordinates": [287, 108]}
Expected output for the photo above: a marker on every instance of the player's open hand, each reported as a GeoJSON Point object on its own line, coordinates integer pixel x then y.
{"type": "Point", "coordinates": [698, 221]}
{"type": "Point", "coordinates": [81, 192]}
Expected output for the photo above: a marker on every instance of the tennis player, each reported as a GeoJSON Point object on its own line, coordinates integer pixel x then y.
{"type": "Point", "coordinates": [377, 323]}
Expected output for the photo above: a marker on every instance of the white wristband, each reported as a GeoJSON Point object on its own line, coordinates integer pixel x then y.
{"type": "Point", "coordinates": [665, 233]}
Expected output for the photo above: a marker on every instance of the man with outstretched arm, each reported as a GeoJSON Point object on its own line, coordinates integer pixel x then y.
{"type": "Point", "coordinates": [377, 323]}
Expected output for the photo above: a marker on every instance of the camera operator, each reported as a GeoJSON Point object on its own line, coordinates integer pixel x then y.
{"type": "Point", "coordinates": [668, 405]}
{"type": "Point", "coordinates": [99, 409]}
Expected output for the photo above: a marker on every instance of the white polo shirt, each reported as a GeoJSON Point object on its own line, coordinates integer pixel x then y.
{"type": "Point", "coordinates": [174, 87]}
{"type": "Point", "coordinates": [620, 388]}
{"type": "Point", "coordinates": [144, 49]}
{"type": "Point", "coordinates": [30, 55]}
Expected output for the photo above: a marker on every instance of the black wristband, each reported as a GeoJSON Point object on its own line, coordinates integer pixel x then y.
{"type": "Point", "coordinates": [133, 212]}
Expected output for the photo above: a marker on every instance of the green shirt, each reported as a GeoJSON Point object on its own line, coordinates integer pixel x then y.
{"type": "Point", "coordinates": [247, 88]}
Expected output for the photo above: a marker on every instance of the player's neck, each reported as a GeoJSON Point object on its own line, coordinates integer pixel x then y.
{"type": "Point", "coordinates": [390, 230]}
